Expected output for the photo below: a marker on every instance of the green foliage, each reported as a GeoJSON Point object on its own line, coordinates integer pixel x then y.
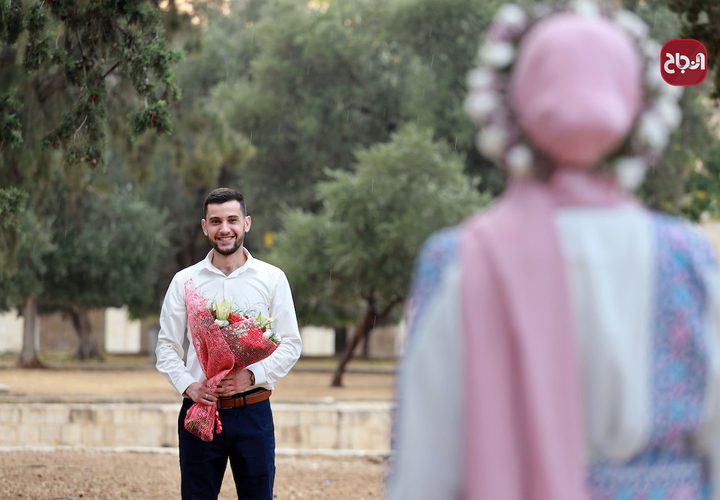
{"type": "Point", "coordinates": [11, 20]}
{"type": "Point", "coordinates": [73, 52]}
{"type": "Point", "coordinates": [444, 35]}
{"type": "Point", "coordinates": [361, 244]}
{"type": "Point", "coordinates": [703, 193]}
{"type": "Point", "coordinates": [175, 172]}
{"type": "Point", "coordinates": [667, 187]}
{"type": "Point", "coordinates": [23, 249]}
{"type": "Point", "coordinates": [155, 116]}
{"type": "Point", "coordinates": [12, 202]}
{"type": "Point", "coordinates": [670, 186]}
{"type": "Point", "coordinates": [70, 69]}
{"type": "Point", "coordinates": [10, 136]}
{"type": "Point", "coordinates": [700, 19]}
{"type": "Point", "coordinates": [108, 249]}
{"type": "Point", "coordinates": [319, 85]}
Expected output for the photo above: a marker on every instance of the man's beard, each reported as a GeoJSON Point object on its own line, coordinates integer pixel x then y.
{"type": "Point", "coordinates": [229, 251]}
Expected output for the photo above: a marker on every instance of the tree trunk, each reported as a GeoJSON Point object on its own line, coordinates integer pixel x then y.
{"type": "Point", "coordinates": [31, 335]}
{"type": "Point", "coordinates": [88, 345]}
{"type": "Point", "coordinates": [366, 343]}
{"type": "Point", "coordinates": [340, 339]}
{"type": "Point", "coordinates": [361, 332]}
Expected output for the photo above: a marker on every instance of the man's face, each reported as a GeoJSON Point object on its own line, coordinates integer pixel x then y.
{"type": "Point", "coordinates": [225, 226]}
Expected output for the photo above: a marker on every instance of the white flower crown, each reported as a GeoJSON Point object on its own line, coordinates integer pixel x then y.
{"type": "Point", "coordinates": [499, 137]}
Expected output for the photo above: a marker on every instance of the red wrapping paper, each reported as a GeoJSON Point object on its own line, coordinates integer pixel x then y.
{"type": "Point", "coordinates": [220, 351]}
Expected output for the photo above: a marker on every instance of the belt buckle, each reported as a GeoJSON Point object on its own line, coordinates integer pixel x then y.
{"type": "Point", "coordinates": [232, 402]}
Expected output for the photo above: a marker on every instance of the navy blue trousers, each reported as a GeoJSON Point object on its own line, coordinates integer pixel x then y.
{"type": "Point", "coordinates": [247, 440]}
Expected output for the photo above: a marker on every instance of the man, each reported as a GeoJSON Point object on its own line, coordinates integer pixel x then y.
{"type": "Point", "coordinates": [247, 439]}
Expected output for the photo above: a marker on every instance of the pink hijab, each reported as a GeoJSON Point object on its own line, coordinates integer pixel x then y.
{"type": "Point", "coordinates": [576, 91]}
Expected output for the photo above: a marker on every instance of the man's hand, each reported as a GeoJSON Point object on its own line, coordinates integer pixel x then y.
{"type": "Point", "coordinates": [232, 384]}
{"type": "Point", "coordinates": [198, 392]}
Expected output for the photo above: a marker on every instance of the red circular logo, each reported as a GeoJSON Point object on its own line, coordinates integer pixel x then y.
{"type": "Point", "coordinates": [683, 62]}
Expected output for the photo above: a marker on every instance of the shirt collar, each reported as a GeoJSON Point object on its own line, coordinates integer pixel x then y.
{"type": "Point", "coordinates": [250, 262]}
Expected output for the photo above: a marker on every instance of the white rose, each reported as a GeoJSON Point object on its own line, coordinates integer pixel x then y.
{"type": "Point", "coordinates": [512, 16]}
{"type": "Point", "coordinates": [631, 23]}
{"type": "Point", "coordinates": [672, 91]}
{"type": "Point", "coordinates": [520, 161]}
{"type": "Point", "coordinates": [653, 131]}
{"type": "Point", "coordinates": [585, 8]}
{"type": "Point", "coordinates": [222, 322]}
{"type": "Point", "coordinates": [480, 105]}
{"type": "Point", "coordinates": [630, 172]}
{"type": "Point", "coordinates": [668, 109]}
{"type": "Point", "coordinates": [497, 54]}
{"type": "Point", "coordinates": [654, 79]}
{"type": "Point", "coordinates": [651, 48]}
{"type": "Point", "coordinates": [479, 79]}
{"type": "Point", "coordinates": [267, 334]}
{"type": "Point", "coordinates": [491, 141]}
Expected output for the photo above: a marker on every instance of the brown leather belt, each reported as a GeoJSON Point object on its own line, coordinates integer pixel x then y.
{"type": "Point", "coordinates": [240, 400]}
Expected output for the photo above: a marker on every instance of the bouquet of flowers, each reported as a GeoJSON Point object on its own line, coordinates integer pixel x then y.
{"type": "Point", "coordinates": [226, 341]}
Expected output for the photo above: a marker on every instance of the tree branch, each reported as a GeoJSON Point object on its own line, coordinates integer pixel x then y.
{"type": "Point", "coordinates": [82, 55]}
{"type": "Point", "coordinates": [80, 127]}
{"type": "Point", "coordinates": [394, 302]}
{"type": "Point", "coordinates": [112, 68]}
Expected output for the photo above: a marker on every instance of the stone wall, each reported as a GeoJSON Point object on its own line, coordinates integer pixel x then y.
{"type": "Point", "coordinates": [338, 427]}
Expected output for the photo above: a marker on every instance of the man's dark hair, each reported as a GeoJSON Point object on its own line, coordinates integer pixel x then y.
{"type": "Point", "coordinates": [223, 195]}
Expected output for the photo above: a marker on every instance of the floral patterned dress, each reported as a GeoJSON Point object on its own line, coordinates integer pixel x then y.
{"type": "Point", "coordinates": [646, 298]}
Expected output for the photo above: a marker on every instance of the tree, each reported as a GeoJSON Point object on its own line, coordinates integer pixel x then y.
{"type": "Point", "coordinates": [75, 48]}
{"type": "Point", "coordinates": [681, 182]}
{"type": "Point", "coordinates": [174, 173]}
{"type": "Point", "coordinates": [23, 246]}
{"type": "Point", "coordinates": [64, 66]}
{"type": "Point", "coordinates": [700, 19]}
{"type": "Point", "coordinates": [703, 197]}
{"type": "Point", "coordinates": [353, 255]}
{"type": "Point", "coordinates": [109, 246]}
{"type": "Point", "coordinates": [319, 84]}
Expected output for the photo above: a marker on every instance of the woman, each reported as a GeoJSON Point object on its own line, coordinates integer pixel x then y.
{"type": "Point", "coordinates": [564, 343]}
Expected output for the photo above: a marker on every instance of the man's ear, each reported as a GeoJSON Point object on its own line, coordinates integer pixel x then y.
{"type": "Point", "coordinates": [203, 224]}
{"type": "Point", "coordinates": [248, 223]}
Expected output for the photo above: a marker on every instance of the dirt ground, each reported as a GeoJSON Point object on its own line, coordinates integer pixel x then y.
{"type": "Point", "coordinates": [139, 476]}
{"type": "Point", "coordinates": [148, 385]}
{"type": "Point", "coordinates": [94, 475]}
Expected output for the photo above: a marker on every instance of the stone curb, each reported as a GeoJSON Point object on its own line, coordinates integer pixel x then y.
{"type": "Point", "coordinates": [354, 428]}
{"type": "Point", "coordinates": [281, 452]}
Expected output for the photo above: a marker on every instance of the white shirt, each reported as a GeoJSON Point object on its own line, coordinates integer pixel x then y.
{"type": "Point", "coordinates": [254, 287]}
{"type": "Point", "coordinates": [609, 257]}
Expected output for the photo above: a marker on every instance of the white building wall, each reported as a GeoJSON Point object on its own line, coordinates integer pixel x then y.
{"type": "Point", "coordinates": [122, 335]}
{"type": "Point", "coordinates": [317, 341]}
{"type": "Point", "coordinates": [11, 327]}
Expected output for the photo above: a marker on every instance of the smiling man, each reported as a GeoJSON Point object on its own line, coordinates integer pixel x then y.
{"type": "Point", "coordinates": [247, 439]}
